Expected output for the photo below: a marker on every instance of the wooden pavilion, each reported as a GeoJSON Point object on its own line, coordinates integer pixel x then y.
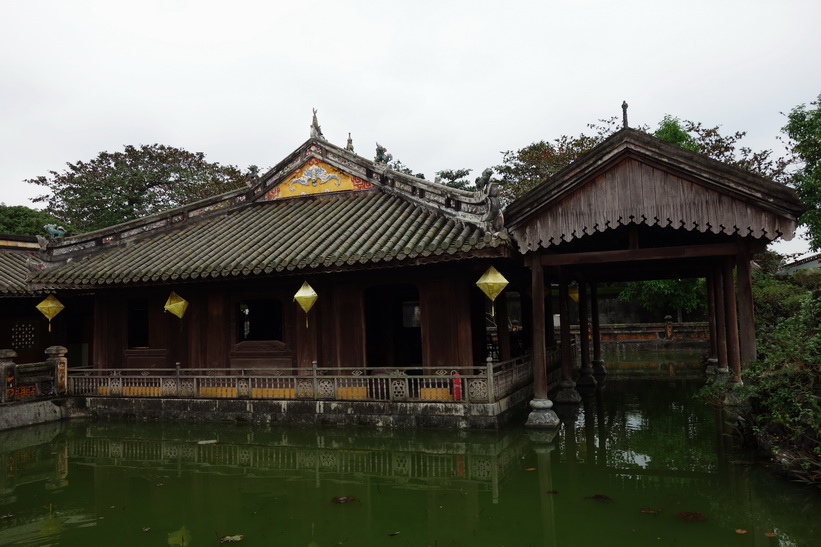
{"type": "Point", "coordinates": [394, 260]}
{"type": "Point", "coordinates": [637, 208]}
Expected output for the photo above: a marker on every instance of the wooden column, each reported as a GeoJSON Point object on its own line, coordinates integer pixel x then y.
{"type": "Point", "coordinates": [731, 318]}
{"type": "Point", "coordinates": [548, 319]}
{"type": "Point", "coordinates": [598, 362]}
{"type": "Point", "coordinates": [502, 332]}
{"type": "Point", "coordinates": [746, 315]}
{"type": "Point", "coordinates": [721, 325]}
{"type": "Point", "coordinates": [539, 350]}
{"type": "Point", "coordinates": [564, 330]}
{"type": "Point", "coordinates": [586, 372]}
{"type": "Point", "coordinates": [711, 314]}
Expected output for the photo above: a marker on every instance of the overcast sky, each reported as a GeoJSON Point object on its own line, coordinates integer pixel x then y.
{"type": "Point", "coordinates": [441, 84]}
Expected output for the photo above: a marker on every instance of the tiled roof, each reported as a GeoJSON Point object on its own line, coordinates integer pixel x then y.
{"type": "Point", "coordinates": [315, 233]}
{"type": "Point", "coordinates": [13, 273]}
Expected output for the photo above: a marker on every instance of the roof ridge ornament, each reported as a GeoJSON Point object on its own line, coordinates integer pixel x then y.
{"type": "Point", "coordinates": [382, 155]}
{"type": "Point", "coordinates": [316, 131]}
{"type": "Point", "coordinates": [349, 146]}
{"type": "Point", "coordinates": [625, 125]}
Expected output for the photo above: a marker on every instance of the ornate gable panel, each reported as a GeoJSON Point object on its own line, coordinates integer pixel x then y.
{"type": "Point", "coordinates": [634, 192]}
{"type": "Point", "coordinates": [315, 177]}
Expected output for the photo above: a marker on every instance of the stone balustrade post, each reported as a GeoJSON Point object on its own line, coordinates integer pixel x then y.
{"type": "Point", "coordinates": [7, 365]}
{"type": "Point", "coordinates": [56, 356]}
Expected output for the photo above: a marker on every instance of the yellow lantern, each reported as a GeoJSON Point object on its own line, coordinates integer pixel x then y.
{"type": "Point", "coordinates": [306, 296]}
{"type": "Point", "coordinates": [176, 305]}
{"type": "Point", "coordinates": [492, 284]}
{"type": "Point", "coordinates": [50, 307]}
{"type": "Point", "coordinates": [573, 293]}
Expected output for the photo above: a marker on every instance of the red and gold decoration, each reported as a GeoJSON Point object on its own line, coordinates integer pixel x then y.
{"type": "Point", "coordinates": [316, 177]}
{"type": "Point", "coordinates": [306, 296]}
{"type": "Point", "coordinates": [50, 307]}
{"type": "Point", "coordinates": [492, 283]}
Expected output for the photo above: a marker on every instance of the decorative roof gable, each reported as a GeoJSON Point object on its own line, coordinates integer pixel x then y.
{"type": "Point", "coordinates": [635, 178]}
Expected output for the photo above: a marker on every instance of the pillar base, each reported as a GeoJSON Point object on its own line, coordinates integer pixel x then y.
{"type": "Point", "coordinates": [712, 366]}
{"type": "Point", "coordinates": [542, 416]}
{"type": "Point", "coordinates": [598, 367]}
{"type": "Point", "coordinates": [567, 393]}
{"type": "Point", "coordinates": [586, 377]}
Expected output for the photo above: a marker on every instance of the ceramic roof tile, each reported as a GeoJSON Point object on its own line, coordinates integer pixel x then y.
{"type": "Point", "coordinates": [328, 232]}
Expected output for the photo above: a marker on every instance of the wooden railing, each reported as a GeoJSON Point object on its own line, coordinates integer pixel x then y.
{"type": "Point", "coordinates": [485, 384]}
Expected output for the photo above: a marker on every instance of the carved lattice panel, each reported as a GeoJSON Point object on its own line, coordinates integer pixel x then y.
{"type": "Point", "coordinates": [304, 389]}
{"type": "Point", "coordinates": [243, 387]}
{"type": "Point", "coordinates": [401, 464]}
{"type": "Point", "coordinates": [23, 336]}
{"type": "Point", "coordinates": [327, 460]}
{"type": "Point", "coordinates": [326, 389]}
{"type": "Point", "coordinates": [480, 468]}
{"type": "Point", "coordinates": [169, 387]}
{"type": "Point", "coordinates": [477, 389]}
{"type": "Point", "coordinates": [187, 388]}
{"type": "Point", "coordinates": [399, 389]}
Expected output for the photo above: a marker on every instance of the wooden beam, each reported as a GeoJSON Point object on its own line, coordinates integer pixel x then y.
{"type": "Point", "coordinates": [632, 255]}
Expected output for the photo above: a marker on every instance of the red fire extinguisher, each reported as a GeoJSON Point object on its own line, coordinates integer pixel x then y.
{"type": "Point", "coordinates": [457, 386]}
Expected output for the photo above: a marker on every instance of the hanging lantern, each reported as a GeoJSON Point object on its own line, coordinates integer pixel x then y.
{"type": "Point", "coordinates": [50, 307]}
{"type": "Point", "coordinates": [492, 284]}
{"type": "Point", "coordinates": [306, 296]}
{"type": "Point", "coordinates": [176, 305]}
{"type": "Point", "coordinates": [573, 293]}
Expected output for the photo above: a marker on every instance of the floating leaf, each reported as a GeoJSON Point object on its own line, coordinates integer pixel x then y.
{"type": "Point", "coordinates": [344, 499]}
{"type": "Point", "coordinates": [740, 531]}
{"type": "Point", "coordinates": [691, 516]}
{"type": "Point", "coordinates": [530, 469]}
{"type": "Point", "coordinates": [599, 497]}
{"type": "Point", "coordinates": [769, 534]}
{"type": "Point", "coordinates": [232, 539]}
{"type": "Point", "coordinates": [393, 534]}
{"type": "Point", "coordinates": [650, 511]}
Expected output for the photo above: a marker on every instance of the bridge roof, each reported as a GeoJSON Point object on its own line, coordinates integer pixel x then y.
{"type": "Point", "coordinates": [633, 178]}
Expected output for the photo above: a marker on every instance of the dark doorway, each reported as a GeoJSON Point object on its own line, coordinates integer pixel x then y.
{"type": "Point", "coordinates": [393, 332]}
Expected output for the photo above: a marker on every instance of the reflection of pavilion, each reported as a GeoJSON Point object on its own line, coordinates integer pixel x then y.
{"type": "Point", "coordinates": [327, 455]}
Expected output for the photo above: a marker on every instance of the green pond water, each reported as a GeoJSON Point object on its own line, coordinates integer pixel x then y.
{"type": "Point", "coordinates": [626, 465]}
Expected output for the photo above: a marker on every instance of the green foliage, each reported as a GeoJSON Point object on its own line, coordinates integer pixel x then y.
{"type": "Point", "coordinates": [455, 178]}
{"type": "Point", "coordinates": [782, 388]}
{"type": "Point", "coordinates": [804, 130]}
{"type": "Point", "coordinates": [122, 186]}
{"type": "Point", "coordinates": [670, 130]}
{"type": "Point", "coordinates": [528, 167]}
{"type": "Point", "coordinates": [667, 296]}
{"type": "Point", "coordinates": [24, 221]}
{"type": "Point", "coordinates": [400, 167]}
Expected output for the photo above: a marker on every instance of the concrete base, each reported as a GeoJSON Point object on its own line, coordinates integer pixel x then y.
{"type": "Point", "coordinates": [342, 413]}
{"type": "Point", "coordinates": [567, 393]}
{"type": "Point", "coordinates": [586, 377]}
{"type": "Point", "coordinates": [542, 416]}
{"type": "Point", "coordinates": [598, 367]}
{"type": "Point", "coordinates": [31, 413]}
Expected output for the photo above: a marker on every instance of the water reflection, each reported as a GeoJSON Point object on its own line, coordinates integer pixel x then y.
{"type": "Point", "coordinates": [634, 453]}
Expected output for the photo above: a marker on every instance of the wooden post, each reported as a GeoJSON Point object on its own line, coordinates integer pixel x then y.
{"type": "Point", "coordinates": [564, 330]}
{"type": "Point", "coordinates": [502, 321]}
{"type": "Point", "coordinates": [711, 314]}
{"type": "Point", "coordinates": [539, 350]}
{"type": "Point", "coordinates": [598, 362]}
{"type": "Point", "coordinates": [746, 315]}
{"type": "Point", "coordinates": [542, 414]}
{"type": "Point", "coordinates": [586, 372]}
{"type": "Point", "coordinates": [731, 318]}
{"type": "Point", "coordinates": [721, 325]}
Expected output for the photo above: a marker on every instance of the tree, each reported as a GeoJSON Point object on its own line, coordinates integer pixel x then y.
{"type": "Point", "coordinates": [455, 178]}
{"type": "Point", "coordinates": [122, 186]}
{"type": "Point", "coordinates": [667, 296]}
{"type": "Point", "coordinates": [24, 221]}
{"type": "Point", "coordinates": [804, 130]}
